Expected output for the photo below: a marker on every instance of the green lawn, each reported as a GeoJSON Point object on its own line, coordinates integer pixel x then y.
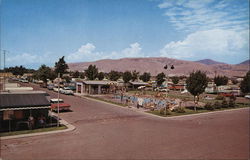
{"type": "Point", "coordinates": [32, 131]}
{"type": "Point", "coordinates": [190, 111]}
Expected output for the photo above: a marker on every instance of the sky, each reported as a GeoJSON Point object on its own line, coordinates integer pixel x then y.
{"type": "Point", "coordinates": [35, 32]}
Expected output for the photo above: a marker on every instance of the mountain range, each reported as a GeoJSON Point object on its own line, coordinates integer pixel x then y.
{"type": "Point", "coordinates": [155, 65]}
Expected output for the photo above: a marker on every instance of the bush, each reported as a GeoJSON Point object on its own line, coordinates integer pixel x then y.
{"type": "Point", "coordinates": [216, 105]}
{"type": "Point", "coordinates": [231, 103]}
{"type": "Point", "coordinates": [224, 103]}
{"type": "Point", "coordinates": [163, 111]}
{"type": "Point", "coordinates": [209, 106]}
{"type": "Point", "coordinates": [220, 97]}
{"type": "Point", "coordinates": [179, 110]}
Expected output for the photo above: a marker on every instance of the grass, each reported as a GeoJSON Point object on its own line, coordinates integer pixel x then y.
{"type": "Point", "coordinates": [190, 111]}
{"type": "Point", "coordinates": [105, 100]}
{"type": "Point", "coordinates": [32, 131]}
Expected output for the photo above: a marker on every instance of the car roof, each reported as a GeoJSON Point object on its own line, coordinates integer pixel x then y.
{"type": "Point", "coordinates": [55, 99]}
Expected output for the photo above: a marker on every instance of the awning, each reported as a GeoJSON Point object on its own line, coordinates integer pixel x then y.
{"type": "Point", "coordinates": [25, 108]}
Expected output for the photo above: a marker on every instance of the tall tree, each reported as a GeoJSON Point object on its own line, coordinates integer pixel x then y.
{"type": "Point", "coordinates": [160, 78]}
{"type": "Point", "coordinates": [220, 80]}
{"type": "Point", "coordinates": [44, 73]}
{"type": "Point", "coordinates": [114, 75]}
{"type": "Point", "coordinates": [61, 66]}
{"type": "Point", "coordinates": [92, 72]}
{"type": "Point", "coordinates": [145, 77]}
{"type": "Point", "coordinates": [245, 84]}
{"type": "Point", "coordinates": [100, 76]}
{"type": "Point", "coordinates": [135, 75]}
{"type": "Point", "coordinates": [127, 76]}
{"type": "Point", "coordinates": [196, 84]}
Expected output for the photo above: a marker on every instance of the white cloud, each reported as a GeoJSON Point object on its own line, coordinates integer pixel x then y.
{"type": "Point", "coordinates": [193, 15]}
{"type": "Point", "coordinates": [87, 53]}
{"type": "Point", "coordinates": [209, 43]}
{"type": "Point", "coordinates": [84, 53]}
{"type": "Point", "coordinates": [27, 59]}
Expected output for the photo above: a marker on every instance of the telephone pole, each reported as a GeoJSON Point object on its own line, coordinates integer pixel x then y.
{"type": "Point", "coordinates": [4, 53]}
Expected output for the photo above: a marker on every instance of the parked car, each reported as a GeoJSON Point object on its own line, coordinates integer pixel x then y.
{"type": "Point", "coordinates": [67, 91]}
{"type": "Point", "coordinates": [55, 89]}
{"type": "Point", "coordinates": [161, 89]}
{"type": "Point", "coordinates": [50, 87]}
{"type": "Point", "coordinates": [247, 96]}
{"type": "Point", "coordinates": [62, 106]}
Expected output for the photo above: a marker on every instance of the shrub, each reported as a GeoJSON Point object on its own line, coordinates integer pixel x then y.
{"type": "Point", "coordinates": [231, 103]}
{"type": "Point", "coordinates": [164, 111]}
{"type": "Point", "coordinates": [220, 97]}
{"type": "Point", "coordinates": [209, 106]}
{"type": "Point", "coordinates": [217, 105]}
{"type": "Point", "coordinates": [179, 110]}
{"type": "Point", "coordinates": [224, 103]}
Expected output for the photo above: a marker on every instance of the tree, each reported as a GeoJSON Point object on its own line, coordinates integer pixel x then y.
{"type": "Point", "coordinates": [145, 77]}
{"type": "Point", "coordinates": [18, 70]}
{"type": "Point", "coordinates": [175, 79]}
{"type": "Point", "coordinates": [76, 74]}
{"type": "Point", "coordinates": [67, 79]}
{"type": "Point", "coordinates": [196, 84]}
{"type": "Point", "coordinates": [127, 76]}
{"type": "Point", "coordinates": [220, 80]}
{"type": "Point", "coordinates": [61, 66]}
{"type": "Point", "coordinates": [82, 75]}
{"type": "Point", "coordinates": [245, 83]}
{"type": "Point", "coordinates": [160, 78]}
{"type": "Point", "coordinates": [44, 73]}
{"type": "Point", "coordinates": [135, 75]}
{"type": "Point", "coordinates": [100, 76]}
{"type": "Point", "coordinates": [114, 75]}
{"type": "Point", "coordinates": [92, 72]}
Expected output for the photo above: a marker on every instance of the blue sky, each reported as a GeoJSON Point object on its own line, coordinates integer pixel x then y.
{"type": "Point", "coordinates": [36, 32]}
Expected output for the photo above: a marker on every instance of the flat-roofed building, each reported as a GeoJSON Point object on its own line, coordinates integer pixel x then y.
{"type": "Point", "coordinates": [19, 106]}
{"type": "Point", "coordinates": [94, 87]}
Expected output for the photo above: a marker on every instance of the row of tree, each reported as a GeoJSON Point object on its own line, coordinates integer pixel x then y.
{"type": "Point", "coordinates": [92, 73]}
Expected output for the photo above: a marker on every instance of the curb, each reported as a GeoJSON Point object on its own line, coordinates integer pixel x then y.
{"type": "Point", "coordinates": [70, 127]}
{"type": "Point", "coordinates": [171, 117]}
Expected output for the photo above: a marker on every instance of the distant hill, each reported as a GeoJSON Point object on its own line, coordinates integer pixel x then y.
{"type": "Point", "coordinates": [209, 62]}
{"type": "Point", "coordinates": [155, 65]}
{"type": "Point", "coordinates": [247, 62]}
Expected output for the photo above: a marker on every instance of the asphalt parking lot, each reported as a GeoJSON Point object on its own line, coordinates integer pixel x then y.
{"type": "Point", "coordinates": [105, 131]}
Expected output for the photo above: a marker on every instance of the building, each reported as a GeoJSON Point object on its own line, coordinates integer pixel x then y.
{"type": "Point", "coordinates": [211, 88]}
{"type": "Point", "coordinates": [94, 87]}
{"type": "Point", "coordinates": [17, 107]}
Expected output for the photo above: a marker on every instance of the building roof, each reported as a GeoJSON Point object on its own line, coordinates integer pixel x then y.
{"type": "Point", "coordinates": [139, 83]}
{"type": "Point", "coordinates": [98, 82]}
{"type": "Point", "coordinates": [18, 100]}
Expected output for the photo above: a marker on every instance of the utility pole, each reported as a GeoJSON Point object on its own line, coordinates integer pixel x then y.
{"type": "Point", "coordinates": [4, 53]}
{"type": "Point", "coordinates": [58, 96]}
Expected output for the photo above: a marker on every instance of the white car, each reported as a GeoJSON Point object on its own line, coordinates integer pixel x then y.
{"type": "Point", "coordinates": [55, 89]}
{"type": "Point", "coordinates": [247, 96]}
{"type": "Point", "coordinates": [67, 91]}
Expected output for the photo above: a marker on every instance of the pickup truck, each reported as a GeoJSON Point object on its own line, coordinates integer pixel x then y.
{"type": "Point", "coordinates": [62, 106]}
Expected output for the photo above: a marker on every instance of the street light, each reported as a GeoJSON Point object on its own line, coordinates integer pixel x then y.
{"type": "Point", "coordinates": [166, 67]}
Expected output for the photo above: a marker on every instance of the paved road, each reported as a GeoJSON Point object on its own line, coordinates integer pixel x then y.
{"type": "Point", "coordinates": [105, 131]}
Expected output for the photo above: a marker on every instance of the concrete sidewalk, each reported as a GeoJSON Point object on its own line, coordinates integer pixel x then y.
{"type": "Point", "coordinates": [69, 126]}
